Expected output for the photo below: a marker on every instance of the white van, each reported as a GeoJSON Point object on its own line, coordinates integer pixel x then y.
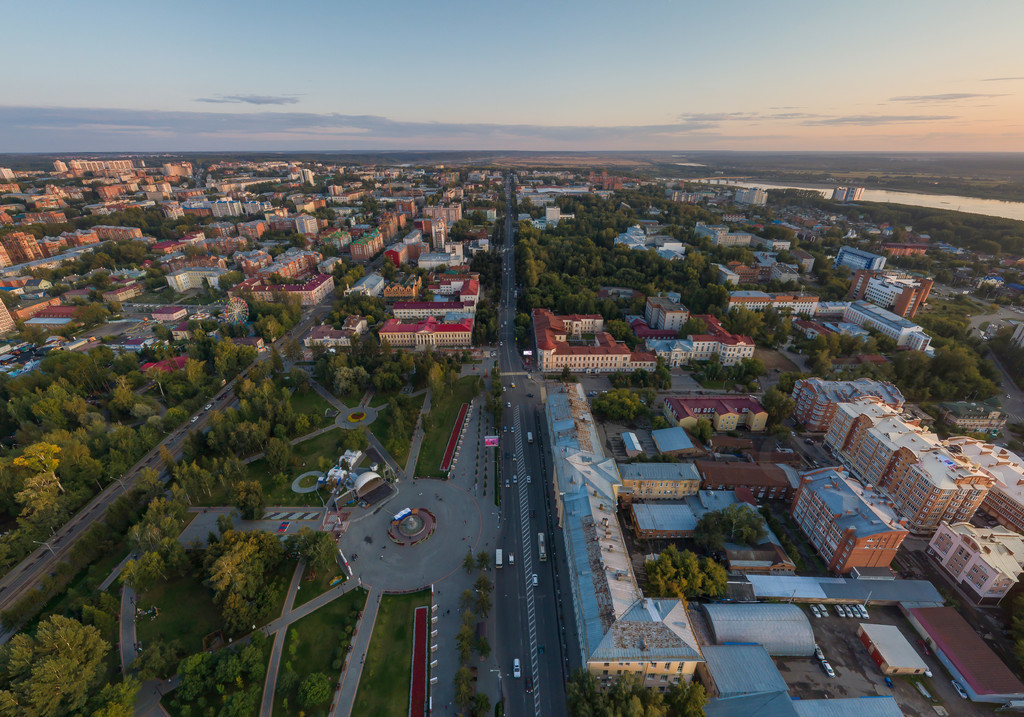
{"type": "Point", "coordinates": [511, 559]}
{"type": "Point", "coordinates": [517, 671]}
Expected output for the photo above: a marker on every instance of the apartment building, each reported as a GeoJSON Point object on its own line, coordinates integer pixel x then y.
{"type": "Point", "coordinates": [927, 482]}
{"type": "Point", "coordinates": [760, 300]}
{"type": "Point", "coordinates": [720, 235]}
{"type": "Point", "coordinates": [124, 292]}
{"type": "Point", "coordinates": [1005, 499]}
{"type": "Point", "coordinates": [429, 333]}
{"type": "Point", "coordinates": [305, 224]}
{"type": "Point", "coordinates": [293, 263]}
{"type": "Point", "coordinates": [314, 290]}
{"type": "Point", "coordinates": [816, 399]}
{"type": "Point", "coordinates": [21, 247]}
{"type": "Point", "coordinates": [250, 262]}
{"type": "Point", "coordinates": [367, 246]}
{"type": "Point", "coordinates": [901, 294]}
{"type": "Point", "coordinates": [904, 332]}
{"type": "Point", "coordinates": [849, 524]}
{"type": "Point", "coordinates": [984, 562]}
{"type": "Point", "coordinates": [6, 320]}
{"type": "Point", "coordinates": [663, 313]}
{"type": "Point", "coordinates": [858, 259]}
{"type": "Point", "coordinates": [407, 288]}
{"type": "Point", "coordinates": [448, 214]}
{"type": "Point", "coordinates": [252, 230]}
{"type": "Point", "coordinates": [847, 194]}
{"type": "Point", "coordinates": [726, 413]}
{"type": "Point", "coordinates": [753, 195]}
{"type": "Point", "coordinates": [194, 277]}
{"type": "Point", "coordinates": [975, 416]}
{"type": "Point", "coordinates": [108, 233]}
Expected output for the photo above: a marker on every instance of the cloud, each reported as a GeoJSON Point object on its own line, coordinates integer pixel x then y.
{"type": "Point", "coordinates": [875, 120]}
{"type": "Point", "coordinates": [251, 99]}
{"type": "Point", "coordinates": [948, 97]}
{"type": "Point", "coordinates": [1002, 79]}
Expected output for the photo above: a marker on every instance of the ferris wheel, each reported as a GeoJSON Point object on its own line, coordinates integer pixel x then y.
{"type": "Point", "coordinates": [236, 311]}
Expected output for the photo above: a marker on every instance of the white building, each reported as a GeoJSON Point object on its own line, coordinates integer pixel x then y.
{"type": "Point", "coordinates": [984, 562]}
{"type": "Point", "coordinates": [226, 208]}
{"type": "Point", "coordinates": [905, 333]}
{"type": "Point", "coordinates": [194, 278]}
{"type": "Point", "coordinates": [754, 195]}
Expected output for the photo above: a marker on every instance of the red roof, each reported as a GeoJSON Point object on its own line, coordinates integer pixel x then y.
{"type": "Point", "coordinates": [430, 325]}
{"type": "Point", "coordinates": [719, 334]}
{"type": "Point", "coordinates": [438, 305]}
{"type": "Point", "coordinates": [167, 365]}
{"type": "Point", "coordinates": [965, 648]}
{"type": "Point", "coordinates": [706, 406]}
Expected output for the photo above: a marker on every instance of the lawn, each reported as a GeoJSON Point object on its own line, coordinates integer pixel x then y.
{"type": "Point", "coordinates": [382, 429]}
{"type": "Point", "coordinates": [384, 686]}
{"type": "Point", "coordinates": [186, 613]}
{"type": "Point", "coordinates": [309, 589]}
{"type": "Point", "coordinates": [309, 402]}
{"type": "Point", "coordinates": [443, 412]}
{"type": "Point", "coordinates": [318, 643]}
{"type": "Point", "coordinates": [379, 399]}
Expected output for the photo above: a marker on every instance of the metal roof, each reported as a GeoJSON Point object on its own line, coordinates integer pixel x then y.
{"type": "Point", "coordinates": [671, 439]}
{"type": "Point", "coordinates": [894, 648]}
{"type": "Point", "coordinates": [765, 704]}
{"type": "Point", "coordinates": [781, 628]}
{"type": "Point", "coordinates": [742, 670]}
{"type": "Point", "coordinates": [768, 587]}
{"type": "Point", "coordinates": [881, 706]}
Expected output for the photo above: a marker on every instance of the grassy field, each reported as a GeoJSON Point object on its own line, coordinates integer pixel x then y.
{"type": "Point", "coordinates": [186, 613]}
{"type": "Point", "coordinates": [379, 399]}
{"type": "Point", "coordinates": [384, 686]}
{"type": "Point", "coordinates": [382, 429]}
{"type": "Point", "coordinates": [443, 412]}
{"type": "Point", "coordinates": [309, 589]}
{"type": "Point", "coordinates": [309, 402]}
{"type": "Point", "coordinates": [317, 643]}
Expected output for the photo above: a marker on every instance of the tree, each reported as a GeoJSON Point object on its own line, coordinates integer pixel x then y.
{"type": "Point", "coordinates": [464, 687]}
{"type": "Point", "coordinates": [736, 523]}
{"type": "Point", "coordinates": [481, 705]}
{"type": "Point", "coordinates": [778, 405]}
{"type": "Point", "coordinates": [469, 562]}
{"type": "Point", "coordinates": [703, 430]}
{"type": "Point", "coordinates": [483, 560]}
{"type": "Point", "coordinates": [315, 547]}
{"type": "Point", "coordinates": [684, 575]}
{"type": "Point", "coordinates": [687, 699]}
{"type": "Point", "coordinates": [466, 599]}
{"type": "Point", "coordinates": [118, 700]}
{"type": "Point", "coordinates": [279, 455]}
{"type": "Point", "coordinates": [53, 672]}
{"type": "Point", "coordinates": [315, 690]}
{"type": "Point", "coordinates": [248, 498]}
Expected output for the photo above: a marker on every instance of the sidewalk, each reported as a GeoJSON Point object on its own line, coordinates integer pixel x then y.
{"type": "Point", "coordinates": [128, 637]}
{"type": "Point", "coordinates": [270, 682]}
{"type": "Point", "coordinates": [345, 697]}
{"type": "Point", "coordinates": [417, 437]}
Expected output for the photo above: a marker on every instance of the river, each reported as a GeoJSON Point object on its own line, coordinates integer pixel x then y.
{"type": "Point", "coordinates": [971, 205]}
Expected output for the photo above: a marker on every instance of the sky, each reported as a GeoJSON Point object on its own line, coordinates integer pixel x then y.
{"type": "Point", "coordinates": [557, 75]}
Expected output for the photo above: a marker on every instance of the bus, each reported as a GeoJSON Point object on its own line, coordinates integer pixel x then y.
{"type": "Point", "coordinates": [497, 558]}
{"type": "Point", "coordinates": [529, 436]}
{"type": "Point", "coordinates": [541, 547]}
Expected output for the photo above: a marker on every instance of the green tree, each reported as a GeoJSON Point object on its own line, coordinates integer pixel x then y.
{"type": "Point", "coordinates": [736, 523]}
{"type": "Point", "coordinates": [315, 690]}
{"type": "Point", "coordinates": [703, 430]}
{"type": "Point", "coordinates": [469, 562]}
{"type": "Point", "coordinates": [53, 672]}
{"type": "Point", "coordinates": [464, 687]}
{"type": "Point", "coordinates": [248, 498]}
{"type": "Point", "coordinates": [315, 547]}
{"type": "Point", "coordinates": [684, 575]}
{"type": "Point", "coordinates": [778, 405]}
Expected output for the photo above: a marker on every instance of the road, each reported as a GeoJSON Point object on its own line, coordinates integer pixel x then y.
{"type": "Point", "coordinates": [529, 627]}
{"type": "Point", "coordinates": [26, 575]}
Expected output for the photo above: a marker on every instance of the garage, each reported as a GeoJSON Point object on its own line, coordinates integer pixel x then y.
{"type": "Point", "coordinates": [781, 628]}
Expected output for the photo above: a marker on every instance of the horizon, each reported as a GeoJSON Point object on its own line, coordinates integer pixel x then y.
{"type": "Point", "coordinates": [581, 77]}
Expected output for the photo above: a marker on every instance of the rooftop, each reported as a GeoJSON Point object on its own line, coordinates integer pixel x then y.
{"type": "Point", "coordinates": [895, 649]}
{"type": "Point", "coordinates": [667, 440]}
{"type": "Point", "coordinates": [1001, 548]}
{"type": "Point", "coordinates": [855, 507]}
{"type": "Point", "coordinates": [742, 669]}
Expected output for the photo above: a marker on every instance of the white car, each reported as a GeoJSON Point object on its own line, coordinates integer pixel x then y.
{"type": "Point", "coordinates": [515, 478]}
{"type": "Point", "coordinates": [517, 671]}
{"type": "Point", "coordinates": [824, 610]}
{"type": "Point", "coordinates": [195, 418]}
{"type": "Point", "coordinates": [535, 580]}
{"type": "Point", "coordinates": [508, 404]}
{"type": "Point", "coordinates": [959, 689]}
{"type": "Point", "coordinates": [828, 668]}
{"type": "Point", "coordinates": [863, 611]}
{"type": "Point", "coordinates": [209, 406]}
{"type": "Point", "coordinates": [818, 653]}
{"type": "Point", "coordinates": [528, 479]}
{"type": "Point", "coordinates": [815, 611]}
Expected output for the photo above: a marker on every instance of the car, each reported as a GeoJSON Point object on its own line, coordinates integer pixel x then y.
{"type": "Point", "coordinates": [927, 673]}
{"type": "Point", "coordinates": [808, 441]}
{"type": "Point", "coordinates": [507, 484]}
{"type": "Point", "coordinates": [888, 682]}
{"type": "Point", "coordinates": [209, 406]}
{"type": "Point", "coordinates": [828, 668]}
{"type": "Point", "coordinates": [924, 647]}
{"type": "Point", "coordinates": [515, 478]}
{"type": "Point", "coordinates": [840, 611]}
{"type": "Point", "coordinates": [517, 671]}
{"type": "Point", "coordinates": [818, 653]}
{"type": "Point", "coordinates": [529, 395]}
{"type": "Point", "coordinates": [512, 429]}
{"type": "Point", "coordinates": [529, 479]}
{"type": "Point", "coordinates": [508, 404]}
{"type": "Point", "coordinates": [535, 580]}
{"type": "Point", "coordinates": [195, 418]}
{"type": "Point", "coordinates": [529, 684]}
{"type": "Point", "coordinates": [863, 612]}
{"type": "Point", "coordinates": [959, 689]}
{"type": "Point", "coordinates": [511, 559]}
{"type": "Point", "coordinates": [815, 611]}
{"type": "Point", "coordinates": [513, 384]}
{"type": "Point", "coordinates": [283, 528]}
{"type": "Point", "coordinates": [824, 610]}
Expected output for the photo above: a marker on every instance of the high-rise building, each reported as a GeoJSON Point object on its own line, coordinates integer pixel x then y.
{"type": "Point", "coordinates": [6, 321]}
{"type": "Point", "coordinates": [754, 195]}
{"type": "Point", "coordinates": [926, 481]}
{"type": "Point", "coordinates": [816, 399]}
{"type": "Point", "coordinates": [60, 167]}
{"type": "Point", "coordinates": [847, 194]}
{"type": "Point", "coordinates": [904, 332]}
{"type": "Point", "coordinates": [7, 175]}
{"type": "Point", "coordinates": [21, 247]}
{"type": "Point", "coordinates": [849, 524]}
{"type": "Point", "coordinates": [901, 294]}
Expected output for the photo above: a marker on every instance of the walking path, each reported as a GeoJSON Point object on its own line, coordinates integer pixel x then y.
{"type": "Point", "coordinates": [270, 683]}
{"type": "Point", "coordinates": [114, 573]}
{"type": "Point", "coordinates": [128, 636]}
{"type": "Point", "coordinates": [417, 437]}
{"type": "Point", "coordinates": [345, 697]}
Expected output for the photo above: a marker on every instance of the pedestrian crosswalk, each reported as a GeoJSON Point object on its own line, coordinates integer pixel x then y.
{"type": "Point", "coordinates": [526, 553]}
{"type": "Point", "coordinates": [291, 515]}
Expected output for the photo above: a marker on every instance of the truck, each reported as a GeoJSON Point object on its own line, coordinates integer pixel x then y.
{"type": "Point", "coordinates": [529, 436]}
{"type": "Point", "coordinates": [497, 558]}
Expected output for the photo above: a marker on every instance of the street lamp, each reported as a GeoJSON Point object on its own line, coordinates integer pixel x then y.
{"type": "Point", "coordinates": [46, 545]}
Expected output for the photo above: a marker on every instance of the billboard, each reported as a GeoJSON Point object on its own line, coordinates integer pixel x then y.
{"type": "Point", "coordinates": [527, 353]}
{"type": "Point", "coordinates": [490, 441]}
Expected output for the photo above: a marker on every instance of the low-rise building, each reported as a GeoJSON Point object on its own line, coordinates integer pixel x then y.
{"type": "Point", "coordinates": [194, 277]}
{"type": "Point", "coordinates": [905, 333]}
{"type": "Point", "coordinates": [169, 313]}
{"type": "Point", "coordinates": [371, 285]}
{"type": "Point", "coordinates": [663, 313]}
{"type": "Point", "coordinates": [657, 481]}
{"type": "Point", "coordinates": [423, 309]}
{"type": "Point", "coordinates": [984, 562]}
{"type": "Point", "coordinates": [765, 481]}
{"type": "Point", "coordinates": [331, 337]}
{"type": "Point", "coordinates": [849, 525]}
{"type": "Point", "coordinates": [890, 650]}
{"type": "Point", "coordinates": [405, 288]}
{"type": "Point", "coordinates": [760, 300]}
{"type": "Point", "coordinates": [317, 288]}
{"type": "Point", "coordinates": [429, 333]}
{"type": "Point", "coordinates": [725, 413]}
{"type": "Point", "coordinates": [858, 259]}
{"type": "Point", "coordinates": [902, 294]}
{"type": "Point", "coordinates": [576, 341]}
{"type": "Point", "coordinates": [975, 416]}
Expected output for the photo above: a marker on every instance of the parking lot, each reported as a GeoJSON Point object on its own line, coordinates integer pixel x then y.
{"type": "Point", "coordinates": [858, 676]}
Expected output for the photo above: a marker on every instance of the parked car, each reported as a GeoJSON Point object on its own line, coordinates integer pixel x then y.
{"type": "Point", "coordinates": [888, 682]}
{"type": "Point", "coordinates": [924, 647]}
{"type": "Point", "coordinates": [824, 609]}
{"type": "Point", "coordinates": [959, 689]}
{"type": "Point", "coordinates": [818, 653]}
{"type": "Point", "coordinates": [828, 668]}
{"type": "Point", "coordinates": [195, 418]}
{"type": "Point", "coordinates": [815, 611]}
{"type": "Point", "coordinates": [863, 612]}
